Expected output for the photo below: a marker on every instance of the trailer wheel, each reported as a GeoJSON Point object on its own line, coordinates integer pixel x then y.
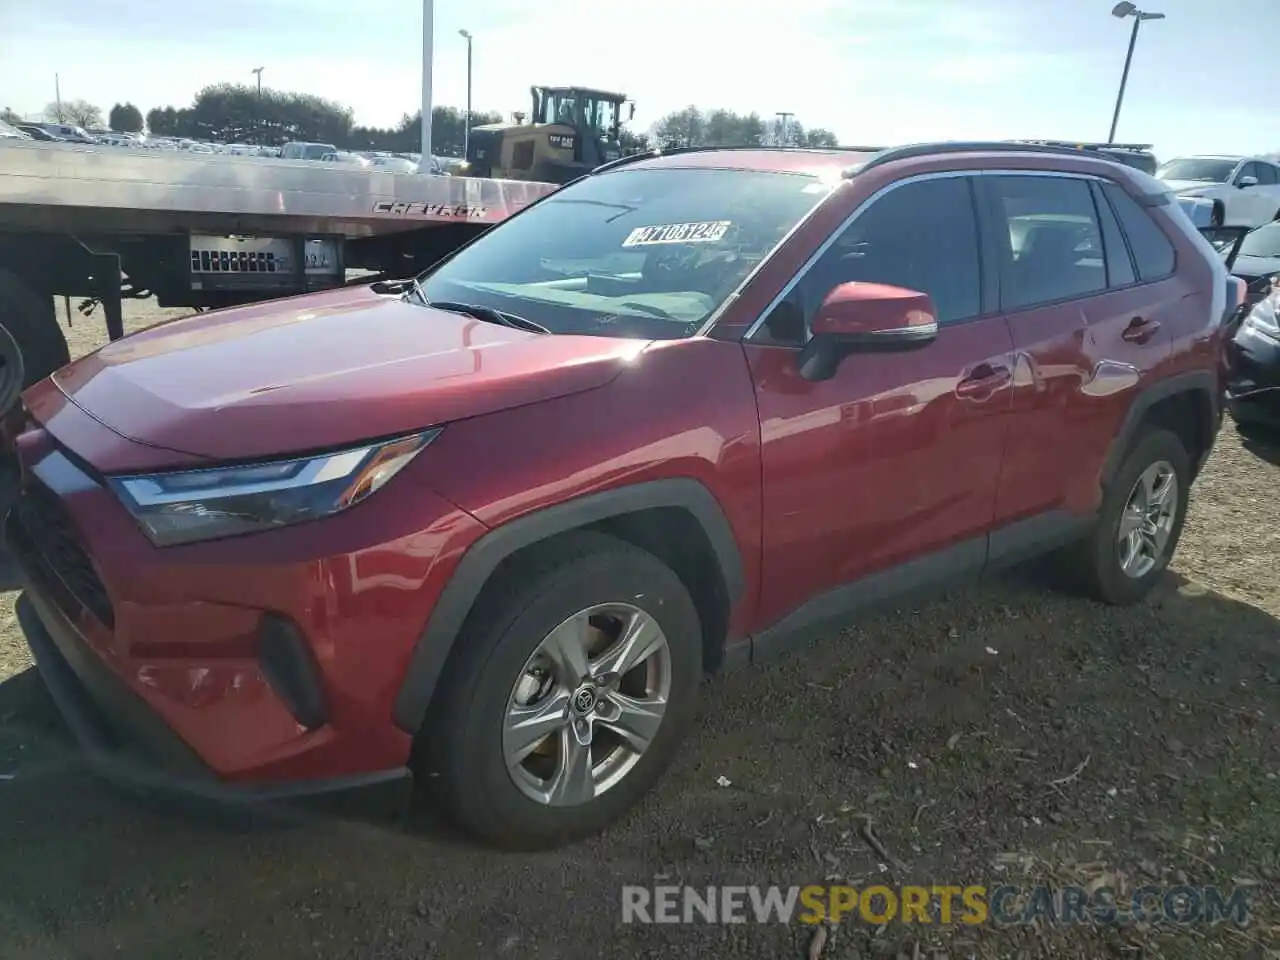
{"type": "Point", "coordinates": [33, 345]}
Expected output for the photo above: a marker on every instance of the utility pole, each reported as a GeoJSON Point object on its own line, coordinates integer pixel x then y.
{"type": "Point", "coordinates": [57, 95]}
{"type": "Point", "coordinates": [258, 107]}
{"type": "Point", "coordinates": [466, 129]}
{"type": "Point", "coordinates": [428, 45]}
{"type": "Point", "coordinates": [784, 121]}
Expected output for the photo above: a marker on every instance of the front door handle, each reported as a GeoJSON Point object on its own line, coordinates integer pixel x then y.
{"type": "Point", "coordinates": [1140, 330]}
{"type": "Point", "coordinates": [983, 380]}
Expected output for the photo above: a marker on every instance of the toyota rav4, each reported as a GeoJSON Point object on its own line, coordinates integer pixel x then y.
{"type": "Point", "coordinates": [487, 529]}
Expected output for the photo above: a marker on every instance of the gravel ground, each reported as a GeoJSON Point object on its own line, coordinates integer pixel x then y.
{"type": "Point", "coordinates": [1005, 734]}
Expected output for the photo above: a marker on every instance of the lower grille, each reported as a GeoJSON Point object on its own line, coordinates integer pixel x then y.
{"type": "Point", "coordinates": [47, 532]}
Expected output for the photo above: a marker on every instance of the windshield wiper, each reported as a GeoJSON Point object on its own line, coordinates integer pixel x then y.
{"type": "Point", "coordinates": [410, 285]}
{"type": "Point", "coordinates": [650, 309]}
{"type": "Point", "coordinates": [487, 314]}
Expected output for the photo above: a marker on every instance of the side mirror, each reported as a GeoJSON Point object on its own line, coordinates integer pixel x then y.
{"type": "Point", "coordinates": [1244, 182]}
{"type": "Point", "coordinates": [865, 318]}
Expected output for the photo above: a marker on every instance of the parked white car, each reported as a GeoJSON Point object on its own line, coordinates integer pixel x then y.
{"type": "Point", "coordinates": [1241, 191]}
{"type": "Point", "coordinates": [10, 132]}
{"type": "Point", "coordinates": [345, 159]}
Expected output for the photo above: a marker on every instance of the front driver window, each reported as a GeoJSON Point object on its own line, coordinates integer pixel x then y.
{"type": "Point", "coordinates": [922, 235]}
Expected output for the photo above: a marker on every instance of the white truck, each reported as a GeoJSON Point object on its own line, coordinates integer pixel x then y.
{"type": "Point", "coordinates": [101, 224]}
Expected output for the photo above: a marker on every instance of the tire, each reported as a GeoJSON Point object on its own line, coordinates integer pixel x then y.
{"type": "Point", "coordinates": [1218, 216]}
{"type": "Point", "coordinates": [29, 318]}
{"type": "Point", "coordinates": [1095, 563]}
{"type": "Point", "coordinates": [462, 749]}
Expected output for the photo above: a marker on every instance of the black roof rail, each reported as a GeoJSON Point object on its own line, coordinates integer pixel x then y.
{"type": "Point", "coordinates": [1088, 145]}
{"type": "Point", "coordinates": [960, 146]}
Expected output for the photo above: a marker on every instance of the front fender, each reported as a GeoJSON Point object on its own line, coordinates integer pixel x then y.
{"type": "Point", "coordinates": [484, 556]}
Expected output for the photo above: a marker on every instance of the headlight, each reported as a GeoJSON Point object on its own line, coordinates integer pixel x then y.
{"type": "Point", "coordinates": [1262, 318]}
{"type": "Point", "coordinates": [188, 505]}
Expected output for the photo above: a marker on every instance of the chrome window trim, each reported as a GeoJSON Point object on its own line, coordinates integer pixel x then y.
{"type": "Point", "coordinates": [889, 188]}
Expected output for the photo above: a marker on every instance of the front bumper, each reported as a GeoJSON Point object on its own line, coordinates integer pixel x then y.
{"type": "Point", "coordinates": [192, 670]}
{"type": "Point", "coordinates": [128, 745]}
{"type": "Point", "coordinates": [1253, 385]}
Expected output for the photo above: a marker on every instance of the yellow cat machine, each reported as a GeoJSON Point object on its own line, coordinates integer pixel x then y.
{"type": "Point", "coordinates": [572, 130]}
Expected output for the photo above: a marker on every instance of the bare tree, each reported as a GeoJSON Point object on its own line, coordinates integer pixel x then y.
{"type": "Point", "coordinates": [8, 116]}
{"type": "Point", "coordinates": [82, 113]}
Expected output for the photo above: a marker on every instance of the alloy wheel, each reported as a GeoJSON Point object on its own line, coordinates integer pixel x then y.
{"type": "Point", "coordinates": [587, 704]}
{"type": "Point", "coordinates": [1146, 523]}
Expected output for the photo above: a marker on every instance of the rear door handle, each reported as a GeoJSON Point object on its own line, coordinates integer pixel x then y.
{"type": "Point", "coordinates": [983, 380]}
{"type": "Point", "coordinates": [1140, 330]}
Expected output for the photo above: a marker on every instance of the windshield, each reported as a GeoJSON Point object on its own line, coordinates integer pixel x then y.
{"type": "Point", "coordinates": [1263, 242]}
{"type": "Point", "coordinates": [1206, 171]}
{"type": "Point", "coordinates": [634, 253]}
{"type": "Point", "coordinates": [1131, 158]}
{"type": "Point", "coordinates": [601, 115]}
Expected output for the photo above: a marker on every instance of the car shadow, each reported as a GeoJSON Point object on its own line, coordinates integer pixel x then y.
{"type": "Point", "coordinates": [83, 869]}
{"type": "Point", "coordinates": [1265, 445]}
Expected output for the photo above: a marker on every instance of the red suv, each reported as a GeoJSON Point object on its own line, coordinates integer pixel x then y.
{"type": "Point", "coordinates": [490, 528]}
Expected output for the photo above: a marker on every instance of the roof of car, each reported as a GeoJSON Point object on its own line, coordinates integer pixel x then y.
{"type": "Point", "coordinates": [848, 160]}
{"type": "Point", "coordinates": [765, 159]}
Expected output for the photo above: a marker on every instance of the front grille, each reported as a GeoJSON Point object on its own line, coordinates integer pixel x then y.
{"type": "Point", "coordinates": [50, 535]}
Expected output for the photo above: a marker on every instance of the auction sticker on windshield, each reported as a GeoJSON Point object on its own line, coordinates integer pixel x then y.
{"type": "Point", "coordinates": [706, 231]}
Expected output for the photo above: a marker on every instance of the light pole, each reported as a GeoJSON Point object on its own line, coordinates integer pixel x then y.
{"type": "Point", "coordinates": [1122, 10]}
{"type": "Point", "coordinates": [258, 105]}
{"type": "Point", "coordinates": [428, 50]}
{"type": "Point", "coordinates": [466, 128]}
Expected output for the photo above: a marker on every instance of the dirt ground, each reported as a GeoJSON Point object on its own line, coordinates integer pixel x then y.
{"type": "Point", "coordinates": [1010, 733]}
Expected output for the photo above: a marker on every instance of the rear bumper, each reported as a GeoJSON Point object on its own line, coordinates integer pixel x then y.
{"type": "Point", "coordinates": [126, 743]}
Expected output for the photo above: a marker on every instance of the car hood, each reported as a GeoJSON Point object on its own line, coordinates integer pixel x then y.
{"type": "Point", "coordinates": [1190, 186]}
{"type": "Point", "coordinates": [323, 371]}
{"type": "Point", "coordinates": [1249, 266]}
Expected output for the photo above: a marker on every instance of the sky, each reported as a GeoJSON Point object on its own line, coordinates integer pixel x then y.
{"type": "Point", "coordinates": [875, 72]}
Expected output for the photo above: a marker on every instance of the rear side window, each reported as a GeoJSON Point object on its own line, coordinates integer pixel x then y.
{"type": "Point", "coordinates": [1055, 247]}
{"type": "Point", "coordinates": [1152, 252]}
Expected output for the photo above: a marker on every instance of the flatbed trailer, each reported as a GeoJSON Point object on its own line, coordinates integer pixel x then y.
{"type": "Point", "coordinates": [101, 224]}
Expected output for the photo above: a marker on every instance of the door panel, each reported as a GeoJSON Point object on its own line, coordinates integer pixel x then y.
{"type": "Point", "coordinates": [1255, 200]}
{"type": "Point", "coordinates": [1051, 262]}
{"type": "Point", "coordinates": [1082, 356]}
{"type": "Point", "coordinates": [892, 457]}
{"type": "Point", "coordinates": [880, 464]}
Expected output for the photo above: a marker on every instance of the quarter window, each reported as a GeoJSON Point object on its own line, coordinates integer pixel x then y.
{"type": "Point", "coordinates": [922, 236]}
{"type": "Point", "coordinates": [1152, 252]}
{"type": "Point", "coordinates": [1054, 247]}
{"type": "Point", "coordinates": [1119, 265]}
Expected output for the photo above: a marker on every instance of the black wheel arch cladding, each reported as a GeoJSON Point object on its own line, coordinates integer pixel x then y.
{"type": "Point", "coordinates": [1202, 383]}
{"type": "Point", "coordinates": [482, 558]}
